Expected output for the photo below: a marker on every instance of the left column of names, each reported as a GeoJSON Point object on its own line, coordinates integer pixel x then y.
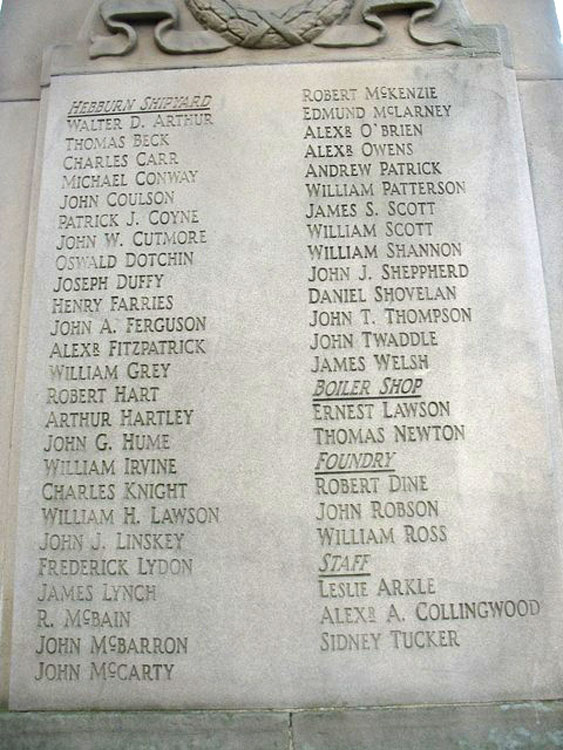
{"type": "Point", "coordinates": [116, 516]}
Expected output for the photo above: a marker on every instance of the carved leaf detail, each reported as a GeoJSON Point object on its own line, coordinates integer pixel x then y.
{"type": "Point", "coordinates": [251, 28]}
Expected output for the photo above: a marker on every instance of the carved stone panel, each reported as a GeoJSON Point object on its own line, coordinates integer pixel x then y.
{"type": "Point", "coordinates": [289, 407]}
{"type": "Point", "coordinates": [326, 23]}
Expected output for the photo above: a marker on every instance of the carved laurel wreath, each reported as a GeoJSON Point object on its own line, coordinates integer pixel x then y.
{"type": "Point", "coordinates": [262, 30]}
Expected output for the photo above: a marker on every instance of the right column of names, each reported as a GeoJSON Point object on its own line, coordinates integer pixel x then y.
{"type": "Point", "coordinates": [389, 303]}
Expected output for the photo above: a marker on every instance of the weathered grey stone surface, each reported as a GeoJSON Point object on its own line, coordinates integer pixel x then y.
{"type": "Point", "coordinates": [18, 122]}
{"type": "Point", "coordinates": [145, 731]}
{"type": "Point", "coordinates": [27, 27]}
{"type": "Point", "coordinates": [533, 33]}
{"type": "Point", "coordinates": [263, 615]}
{"type": "Point", "coordinates": [486, 728]}
{"type": "Point", "coordinates": [503, 727]}
{"type": "Point", "coordinates": [532, 726]}
{"type": "Point", "coordinates": [542, 108]}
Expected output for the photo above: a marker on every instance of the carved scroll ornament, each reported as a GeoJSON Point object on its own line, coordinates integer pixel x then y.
{"type": "Point", "coordinates": [226, 23]}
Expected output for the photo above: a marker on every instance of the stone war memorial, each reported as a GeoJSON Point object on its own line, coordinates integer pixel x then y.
{"type": "Point", "coordinates": [282, 359]}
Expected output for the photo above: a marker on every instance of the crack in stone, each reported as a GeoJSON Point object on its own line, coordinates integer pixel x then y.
{"type": "Point", "coordinates": [291, 745]}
